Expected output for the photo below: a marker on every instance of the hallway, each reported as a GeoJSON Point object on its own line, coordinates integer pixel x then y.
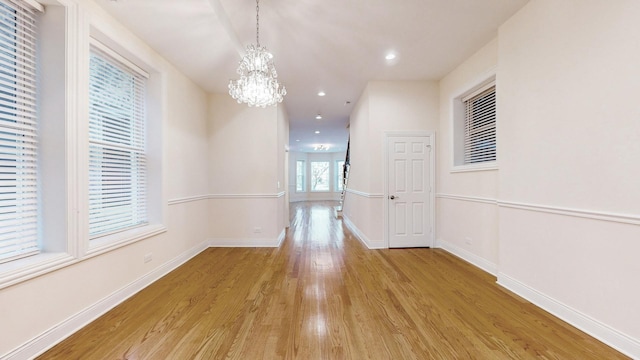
{"type": "Point", "coordinates": [323, 295]}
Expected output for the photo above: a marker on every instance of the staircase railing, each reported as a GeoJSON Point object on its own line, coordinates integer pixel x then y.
{"type": "Point", "coordinates": [345, 179]}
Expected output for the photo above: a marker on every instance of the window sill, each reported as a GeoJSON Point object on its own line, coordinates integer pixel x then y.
{"type": "Point", "coordinates": [110, 242]}
{"type": "Point", "coordinates": [475, 167]}
{"type": "Point", "coordinates": [30, 267]}
{"type": "Point", "coordinates": [27, 268]}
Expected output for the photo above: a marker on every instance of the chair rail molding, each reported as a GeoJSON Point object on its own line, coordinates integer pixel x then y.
{"type": "Point", "coordinates": [187, 199]}
{"type": "Point", "coordinates": [580, 213]}
{"type": "Point", "coordinates": [484, 200]}
{"type": "Point", "coordinates": [364, 194]}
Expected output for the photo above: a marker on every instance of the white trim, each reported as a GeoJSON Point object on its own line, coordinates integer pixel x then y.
{"type": "Point", "coordinates": [104, 48]}
{"type": "Point", "coordinates": [361, 236]}
{"type": "Point", "coordinates": [586, 214]}
{"type": "Point", "coordinates": [579, 213]}
{"type": "Point", "coordinates": [364, 194]}
{"type": "Point", "coordinates": [469, 257]}
{"type": "Point", "coordinates": [36, 5]}
{"type": "Point", "coordinates": [468, 198]}
{"type": "Point", "coordinates": [225, 196]}
{"type": "Point", "coordinates": [56, 334]}
{"type": "Point", "coordinates": [187, 199]}
{"type": "Point", "coordinates": [479, 90]}
{"type": "Point", "coordinates": [485, 166]}
{"type": "Point", "coordinates": [246, 242]}
{"type": "Point", "coordinates": [245, 196]}
{"type": "Point", "coordinates": [282, 236]}
{"type": "Point", "coordinates": [101, 245]}
{"type": "Point", "coordinates": [608, 335]}
{"type": "Point", "coordinates": [77, 101]}
{"type": "Point", "coordinates": [17, 271]}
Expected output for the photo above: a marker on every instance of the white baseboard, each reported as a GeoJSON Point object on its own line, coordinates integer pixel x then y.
{"type": "Point", "coordinates": [281, 237]}
{"type": "Point", "coordinates": [362, 237]}
{"type": "Point", "coordinates": [53, 336]}
{"type": "Point", "coordinates": [612, 337]}
{"type": "Point", "coordinates": [469, 257]}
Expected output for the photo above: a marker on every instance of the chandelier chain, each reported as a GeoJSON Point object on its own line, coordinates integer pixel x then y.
{"type": "Point", "coordinates": [258, 83]}
{"type": "Point", "coordinates": [257, 23]}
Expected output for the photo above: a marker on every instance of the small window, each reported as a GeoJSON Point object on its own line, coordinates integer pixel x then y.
{"type": "Point", "coordinates": [117, 155]}
{"type": "Point", "coordinates": [474, 128]}
{"type": "Point", "coordinates": [480, 127]}
{"type": "Point", "coordinates": [300, 176]}
{"type": "Point", "coordinates": [320, 176]}
{"type": "Point", "coordinates": [339, 175]}
{"type": "Point", "coordinates": [18, 136]}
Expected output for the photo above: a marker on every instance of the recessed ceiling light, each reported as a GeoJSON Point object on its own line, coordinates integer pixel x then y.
{"type": "Point", "coordinates": [321, 93]}
{"type": "Point", "coordinates": [317, 131]}
{"type": "Point", "coordinates": [390, 56]}
{"type": "Point", "coordinates": [318, 116]}
{"type": "Point", "coordinates": [297, 140]}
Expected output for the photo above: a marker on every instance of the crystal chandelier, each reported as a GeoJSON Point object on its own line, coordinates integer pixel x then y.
{"type": "Point", "coordinates": [258, 84]}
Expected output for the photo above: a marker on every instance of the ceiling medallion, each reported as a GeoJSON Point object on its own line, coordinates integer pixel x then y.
{"type": "Point", "coordinates": [258, 84]}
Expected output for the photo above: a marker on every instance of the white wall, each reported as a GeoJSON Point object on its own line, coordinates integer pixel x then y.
{"type": "Point", "coordinates": [569, 149]}
{"type": "Point", "coordinates": [246, 162]}
{"type": "Point", "coordinates": [558, 222]}
{"type": "Point", "coordinates": [384, 106]}
{"type": "Point", "coordinates": [38, 312]}
{"type": "Point", "coordinates": [468, 195]}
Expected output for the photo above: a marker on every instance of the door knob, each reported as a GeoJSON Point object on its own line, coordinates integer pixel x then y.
{"type": "Point", "coordinates": [392, 197]}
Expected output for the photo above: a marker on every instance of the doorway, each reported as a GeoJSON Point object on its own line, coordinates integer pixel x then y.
{"type": "Point", "coordinates": [410, 194]}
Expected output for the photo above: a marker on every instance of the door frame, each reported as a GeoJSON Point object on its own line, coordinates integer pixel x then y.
{"type": "Point", "coordinates": [432, 183]}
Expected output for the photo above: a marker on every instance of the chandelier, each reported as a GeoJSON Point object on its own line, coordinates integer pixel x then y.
{"type": "Point", "coordinates": [258, 84]}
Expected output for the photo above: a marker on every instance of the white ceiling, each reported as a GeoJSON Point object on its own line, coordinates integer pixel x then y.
{"type": "Point", "coordinates": [336, 46]}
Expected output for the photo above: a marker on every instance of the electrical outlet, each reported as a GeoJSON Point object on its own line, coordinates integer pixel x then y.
{"type": "Point", "coordinates": [148, 257]}
{"type": "Point", "coordinates": [257, 230]}
{"type": "Point", "coordinates": [468, 241]}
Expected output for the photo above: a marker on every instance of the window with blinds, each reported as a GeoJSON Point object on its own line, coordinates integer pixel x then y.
{"type": "Point", "coordinates": [18, 132]}
{"type": "Point", "coordinates": [480, 126]}
{"type": "Point", "coordinates": [117, 159]}
{"type": "Point", "coordinates": [300, 176]}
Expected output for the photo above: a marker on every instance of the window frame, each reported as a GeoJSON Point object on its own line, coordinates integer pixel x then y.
{"type": "Point", "coordinates": [63, 136]}
{"type": "Point", "coordinates": [457, 123]}
{"type": "Point", "coordinates": [57, 113]}
{"type": "Point", "coordinates": [328, 175]}
{"type": "Point", "coordinates": [156, 200]}
{"type": "Point", "coordinates": [301, 176]}
{"type": "Point", "coordinates": [127, 147]}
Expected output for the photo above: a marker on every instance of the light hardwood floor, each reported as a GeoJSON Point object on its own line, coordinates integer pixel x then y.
{"type": "Point", "coordinates": [323, 295]}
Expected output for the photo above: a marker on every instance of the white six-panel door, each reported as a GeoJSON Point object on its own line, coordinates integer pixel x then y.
{"type": "Point", "coordinates": [409, 191]}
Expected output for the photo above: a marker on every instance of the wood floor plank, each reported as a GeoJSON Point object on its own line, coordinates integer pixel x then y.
{"type": "Point", "coordinates": [323, 295]}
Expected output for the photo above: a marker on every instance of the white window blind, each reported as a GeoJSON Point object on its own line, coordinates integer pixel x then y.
{"type": "Point", "coordinates": [18, 135]}
{"type": "Point", "coordinates": [117, 159]}
{"type": "Point", "coordinates": [480, 127]}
